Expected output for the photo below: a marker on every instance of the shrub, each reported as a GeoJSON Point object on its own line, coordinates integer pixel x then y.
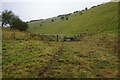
{"type": "Point", "coordinates": [75, 11]}
{"type": "Point", "coordinates": [62, 18]}
{"type": "Point", "coordinates": [93, 6]}
{"type": "Point", "coordinates": [86, 8]}
{"type": "Point", "coordinates": [18, 24]}
{"type": "Point", "coordinates": [67, 18]}
{"type": "Point", "coordinates": [40, 24]}
{"type": "Point", "coordinates": [52, 20]}
{"type": "Point", "coordinates": [80, 13]}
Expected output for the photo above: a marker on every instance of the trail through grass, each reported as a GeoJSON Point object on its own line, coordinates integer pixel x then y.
{"type": "Point", "coordinates": [94, 56]}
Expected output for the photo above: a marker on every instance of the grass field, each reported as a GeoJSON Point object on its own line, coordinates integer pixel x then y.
{"type": "Point", "coordinates": [93, 56]}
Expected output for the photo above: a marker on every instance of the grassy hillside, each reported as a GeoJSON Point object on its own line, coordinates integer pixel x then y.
{"type": "Point", "coordinates": [103, 18]}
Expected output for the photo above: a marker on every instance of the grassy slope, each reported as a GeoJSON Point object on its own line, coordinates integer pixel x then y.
{"type": "Point", "coordinates": [93, 20]}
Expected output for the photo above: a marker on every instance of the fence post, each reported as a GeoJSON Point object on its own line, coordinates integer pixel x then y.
{"type": "Point", "coordinates": [63, 39]}
{"type": "Point", "coordinates": [14, 34]}
{"type": "Point", "coordinates": [57, 38]}
{"type": "Point", "coordinates": [42, 36]}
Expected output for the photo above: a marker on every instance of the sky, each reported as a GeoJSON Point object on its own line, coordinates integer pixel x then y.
{"type": "Point", "coordinates": [41, 9]}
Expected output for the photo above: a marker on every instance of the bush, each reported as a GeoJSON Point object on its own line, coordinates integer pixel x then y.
{"type": "Point", "coordinates": [80, 13]}
{"type": "Point", "coordinates": [40, 24]}
{"type": "Point", "coordinates": [93, 6]}
{"type": "Point", "coordinates": [75, 11]}
{"type": "Point", "coordinates": [86, 8]}
{"type": "Point", "coordinates": [7, 17]}
{"type": "Point", "coordinates": [69, 14]}
{"type": "Point", "coordinates": [62, 18]}
{"type": "Point", "coordinates": [67, 18]}
{"type": "Point", "coordinates": [52, 20]}
{"type": "Point", "coordinates": [18, 24]}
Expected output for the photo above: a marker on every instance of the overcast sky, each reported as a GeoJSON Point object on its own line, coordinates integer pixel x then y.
{"type": "Point", "coordinates": [40, 9]}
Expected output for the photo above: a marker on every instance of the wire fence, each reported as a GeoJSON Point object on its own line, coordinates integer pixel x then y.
{"type": "Point", "coordinates": [17, 35]}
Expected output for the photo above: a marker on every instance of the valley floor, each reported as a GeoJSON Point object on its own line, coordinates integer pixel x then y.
{"type": "Point", "coordinates": [93, 56]}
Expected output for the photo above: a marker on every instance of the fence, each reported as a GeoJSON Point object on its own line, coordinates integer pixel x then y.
{"type": "Point", "coordinates": [17, 35]}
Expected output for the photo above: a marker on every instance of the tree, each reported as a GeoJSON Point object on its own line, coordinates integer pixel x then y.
{"type": "Point", "coordinates": [66, 18]}
{"type": "Point", "coordinates": [15, 22]}
{"type": "Point", "coordinates": [19, 24]}
{"type": "Point", "coordinates": [62, 18]}
{"type": "Point", "coordinates": [75, 11]}
{"type": "Point", "coordinates": [52, 20]}
{"type": "Point", "coordinates": [40, 24]}
{"type": "Point", "coordinates": [80, 13]}
{"type": "Point", "coordinates": [8, 17]}
{"type": "Point", "coordinates": [93, 6]}
{"type": "Point", "coordinates": [86, 8]}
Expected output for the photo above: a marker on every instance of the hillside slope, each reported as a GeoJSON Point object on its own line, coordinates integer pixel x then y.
{"type": "Point", "coordinates": [103, 18]}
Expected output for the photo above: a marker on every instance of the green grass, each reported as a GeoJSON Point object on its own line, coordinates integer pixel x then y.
{"type": "Point", "coordinates": [101, 18]}
{"type": "Point", "coordinates": [24, 59]}
{"type": "Point", "coordinates": [94, 56]}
